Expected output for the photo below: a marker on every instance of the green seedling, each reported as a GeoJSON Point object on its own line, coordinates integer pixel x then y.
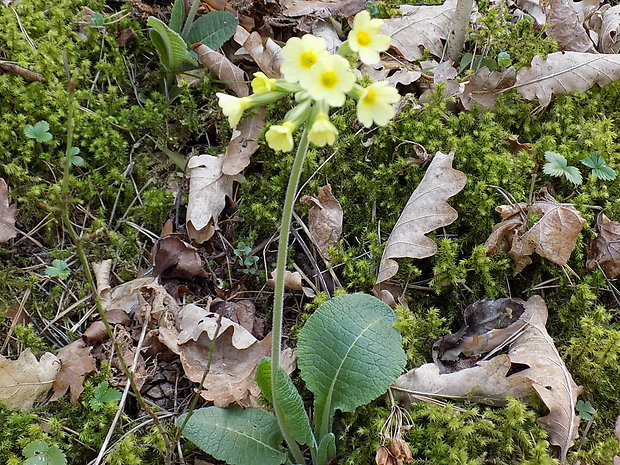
{"type": "Point", "coordinates": [599, 167]}
{"type": "Point", "coordinates": [104, 395]}
{"type": "Point", "coordinates": [59, 269]}
{"type": "Point", "coordinates": [558, 167]}
{"type": "Point", "coordinates": [74, 158]}
{"type": "Point", "coordinates": [248, 262]}
{"type": "Point", "coordinates": [585, 410]}
{"type": "Point", "coordinates": [39, 132]}
{"type": "Point", "coordinates": [39, 453]}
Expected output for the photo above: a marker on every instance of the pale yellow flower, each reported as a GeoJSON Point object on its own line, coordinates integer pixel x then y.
{"type": "Point", "coordinates": [375, 104]}
{"type": "Point", "coordinates": [280, 137]}
{"type": "Point", "coordinates": [329, 80]}
{"type": "Point", "coordinates": [365, 39]}
{"type": "Point", "coordinates": [300, 55]}
{"type": "Point", "coordinates": [261, 84]}
{"type": "Point", "coordinates": [233, 107]}
{"type": "Point", "coordinates": [322, 132]}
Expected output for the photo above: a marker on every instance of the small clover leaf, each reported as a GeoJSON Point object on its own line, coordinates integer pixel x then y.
{"type": "Point", "coordinates": [599, 167]}
{"type": "Point", "coordinates": [59, 269]}
{"type": "Point", "coordinates": [558, 166]}
{"type": "Point", "coordinates": [38, 132]}
{"type": "Point", "coordinates": [39, 453]}
{"type": "Point", "coordinates": [74, 158]}
{"type": "Point", "coordinates": [504, 60]}
{"type": "Point", "coordinates": [104, 395]}
{"type": "Point", "coordinates": [585, 409]}
{"type": "Point", "coordinates": [97, 21]}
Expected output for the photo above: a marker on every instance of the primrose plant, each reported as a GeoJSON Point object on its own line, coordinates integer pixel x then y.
{"type": "Point", "coordinates": [348, 351]}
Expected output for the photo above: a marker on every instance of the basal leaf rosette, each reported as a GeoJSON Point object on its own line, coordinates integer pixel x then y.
{"type": "Point", "coordinates": [320, 81]}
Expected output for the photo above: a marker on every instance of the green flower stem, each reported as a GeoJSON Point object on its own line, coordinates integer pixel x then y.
{"type": "Point", "coordinates": [278, 302]}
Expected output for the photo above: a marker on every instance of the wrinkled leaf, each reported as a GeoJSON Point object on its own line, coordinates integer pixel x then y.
{"type": "Point", "coordinates": [324, 8]}
{"type": "Point", "coordinates": [176, 258]}
{"type": "Point", "coordinates": [566, 72]}
{"type": "Point", "coordinates": [426, 210]}
{"type": "Point", "coordinates": [7, 214]}
{"type": "Point", "coordinates": [77, 362]}
{"type": "Point", "coordinates": [232, 76]}
{"type": "Point", "coordinates": [25, 381]}
{"type": "Point", "coordinates": [212, 29]}
{"type": "Point", "coordinates": [564, 26]}
{"type": "Point", "coordinates": [605, 249]}
{"type": "Point", "coordinates": [236, 436]}
{"type": "Point", "coordinates": [349, 353]}
{"type": "Point", "coordinates": [208, 189]}
{"type": "Point", "coordinates": [324, 219]}
{"type": "Point", "coordinates": [243, 143]}
{"type": "Point", "coordinates": [420, 27]}
{"type": "Point", "coordinates": [483, 87]}
{"type": "Point", "coordinates": [177, 16]}
{"type": "Point", "coordinates": [609, 35]}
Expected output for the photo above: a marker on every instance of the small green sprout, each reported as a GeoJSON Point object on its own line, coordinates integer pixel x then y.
{"type": "Point", "coordinates": [504, 60]}
{"type": "Point", "coordinates": [558, 166]}
{"type": "Point", "coordinates": [104, 395]}
{"type": "Point", "coordinates": [585, 410]}
{"type": "Point", "coordinates": [59, 269]}
{"type": "Point", "coordinates": [599, 167]}
{"type": "Point", "coordinates": [242, 252]}
{"type": "Point", "coordinates": [38, 132]}
{"type": "Point", "coordinates": [97, 21]}
{"type": "Point", "coordinates": [74, 158]}
{"type": "Point", "coordinates": [39, 453]}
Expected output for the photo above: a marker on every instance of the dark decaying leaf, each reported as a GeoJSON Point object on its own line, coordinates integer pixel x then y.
{"type": "Point", "coordinates": [175, 258]}
{"type": "Point", "coordinates": [605, 248]}
{"type": "Point", "coordinates": [565, 27]}
{"type": "Point", "coordinates": [76, 362]}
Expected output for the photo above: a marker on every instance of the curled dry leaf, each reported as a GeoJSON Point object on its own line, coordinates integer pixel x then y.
{"type": "Point", "coordinates": [102, 271]}
{"type": "Point", "coordinates": [176, 258]}
{"type": "Point", "coordinates": [233, 77]}
{"type": "Point", "coordinates": [243, 143]}
{"type": "Point", "coordinates": [489, 381]}
{"type": "Point", "coordinates": [565, 27]}
{"type": "Point", "coordinates": [265, 52]}
{"type": "Point", "coordinates": [208, 189]}
{"type": "Point", "coordinates": [564, 73]}
{"type": "Point", "coordinates": [292, 281]}
{"type": "Point", "coordinates": [605, 249]}
{"type": "Point", "coordinates": [483, 87]}
{"type": "Point", "coordinates": [426, 210]}
{"type": "Point", "coordinates": [553, 236]}
{"type": "Point", "coordinates": [77, 362]}
{"type": "Point", "coordinates": [231, 375]}
{"type": "Point", "coordinates": [420, 27]}
{"type": "Point", "coordinates": [26, 380]}
{"type": "Point", "coordinates": [324, 219]}
{"type": "Point", "coordinates": [323, 9]}
{"type": "Point", "coordinates": [242, 312]}
{"type": "Point", "coordinates": [7, 214]}
{"type": "Point", "coordinates": [609, 35]}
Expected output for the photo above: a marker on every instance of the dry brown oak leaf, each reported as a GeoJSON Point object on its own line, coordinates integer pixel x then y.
{"type": "Point", "coordinates": [208, 189]}
{"type": "Point", "coordinates": [609, 35]}
{"type": "Point", "coordinates": [426, 210]}
{"type": "Point", "coordinates": [233, 77]}
{"type": "Point", "coordinates": [565, 27]}
{"type": "Point", "coordinates": [553, 236]}
{"type": "Point", "coordinates": [25, 381]}
{"type": "Point", "coordinates": [324, 219]}
{"type": "Point", "coordinates": [243, 143]}
{"type": "Point", "coordinates": [77, 362]}
{"type": "Point", "coordinates": [7, 214]}
{"type": "Point", "coordinates": [487, 381]}
{"type": "Point", "coordinates": [605, 249]}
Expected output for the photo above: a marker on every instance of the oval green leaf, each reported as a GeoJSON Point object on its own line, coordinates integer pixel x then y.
{"type": "Point", "coordinates": [212, 29]}
{"type": "Point", "coordinates": [170, 47]}
{"type": "Point", "coordinates": [349, 353]}
{"type": "Point", "coordinates": [294, 415]}
{"type": "Point", "coordinates": [236, 436]}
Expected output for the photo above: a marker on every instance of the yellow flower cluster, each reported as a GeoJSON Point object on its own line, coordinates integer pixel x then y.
{"type": "Point", "coordinates": [320, 80]}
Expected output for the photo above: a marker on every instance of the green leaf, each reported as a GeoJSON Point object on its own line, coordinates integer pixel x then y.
{"type": "Point", "coordinates": [59, 269]}
{"type": "Point", "coordinates": [294, 415]}
{"type": "Point", "coordinates": [104, 395]}
{"type": "Point", "coordinates": [170, 47]}
{"type": "Point", "coordinates": [39, 453]}
{"type": "Point", "coordinates": [504, 60]}
{"type": "Point", "coordinates": [212, 29]}
{"type": "Point", "coordinates": [39, 131]}
{"type": "Point", "coordinates": [585, 409]}
{"type": "Point", "coordinates": [599, 167]}
{"type": "Point", "coordinates": [236, 436]}
{"type": "Point", "coordinates": [349, 353]}
{"type": "Point", "coordinates": [327, 449]}
{"type": "Point", "coordinates": [558, 166]}
{"type": "Point", "coordinates": [74, 158]}
{"type": "Point", "coordinates": [97, 21]}
{"type": "Point", "coordinates": [177, 16]}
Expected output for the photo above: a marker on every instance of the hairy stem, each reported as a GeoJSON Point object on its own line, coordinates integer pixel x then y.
{"type": "Point", "coordinates": [278, 302]}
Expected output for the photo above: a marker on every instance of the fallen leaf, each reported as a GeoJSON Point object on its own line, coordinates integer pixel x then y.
{"type": "Point", "coordinates": [617, 433]}
{"type": "Point", "coordinates": [208, 189]}
{"type": "Point", "coordinates": [232, 76]}
{"type": "Point", "coordinates": [102, 271]}
{"type": "Point", "coordinates": [534, 9]}
{"type": "Point", "coordinates": [483, 87]}
{"type": "Point", "coordinates": [175, 258]}
{"type": "Point", "coordinates": [76, 362]}
{"type": "Point", "coordinates": [265, 52]}
{"type": "Point", "coordinates": [25, 381]}
{"type": "Point", "coordinates": [242, 312]}
{"type": "Point", "coordinates": [420, 27]}
{"type": "Point", "coordinates": [566, 72]}
{"type": "Point", "coordinates": [7, 214]}
{"type": "Point", "coordinates": [426, 210]}
{"type": "Point", "coordinates": [605, 248]}
{"type": "Point", "coordinates": [324, 9]}
{"type": "Point", "coordinates": [125, 36]}
{"type": "Point", "coordinates": [609, 35]}
{"type": "Point", "coordinates": [292, 281]}
{"type": "Point", "coordinates": [231, 374]}
{"type": "Point", "coordinates": [490, 382]}
{"type": "Point", "coordinates": [96, 332]}
{"type": "Point", "coordinates": [243, 143]}
{"type": "Point", "coordinates": [564, 26]}
{"type": "Point", "coordinates": [514, 217]}
{"type": "Point", "coordinates": [327, 30]}
{"type": "Point", "coordinates": [444, 74]}
{"type": "Point", "coordinates": [324, 219]}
